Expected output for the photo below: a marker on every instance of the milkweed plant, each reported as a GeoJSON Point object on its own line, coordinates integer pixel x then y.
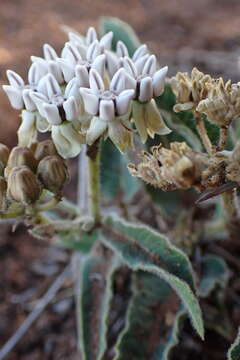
{"type": "Point", "coordinates": [150, 250]}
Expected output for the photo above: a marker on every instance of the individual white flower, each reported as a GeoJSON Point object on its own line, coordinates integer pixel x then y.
{"type": "Point", "coordinates": [77, 39]}
{"type": "Point", "coordinates": [110, 109]}
{"type": "Point", "coordinates": [115, 60]}
{"type": "Point", "coordinates": [79, 59]}
{"type": "Point", "coordinates": [54, 103]}
{"type": "Point", "coordinates": [18, 91]}
{"type": "Point", "coordinates": [149, 82]}
{"type": "Point", "coordinates": [50, 62]}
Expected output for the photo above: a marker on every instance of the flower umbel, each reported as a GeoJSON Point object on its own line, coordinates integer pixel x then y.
{"type": "Point", "coordinates": [110, 109]}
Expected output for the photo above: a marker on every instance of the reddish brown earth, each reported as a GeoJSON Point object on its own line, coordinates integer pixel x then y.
{"type": "Point", "coordinates": [182, 33]}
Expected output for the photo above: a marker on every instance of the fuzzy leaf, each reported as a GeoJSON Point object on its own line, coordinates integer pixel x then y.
{"type": "Point", "coordinates": [93, 302]}
{"type": "Point", "coordinates": [141, 248]}
{"type": "Point", "coordinates": [121, 31]}
{"type": "Point", "coordinates": [139, 244]}
{"type": "Point", "coordinates": [151, 330]}
{"type": "Point", "coordinates": [215, 273]}
{"type": "Point", "coordinates": [234, 351]}
{"type": "Point", "coordinates": [74, 240]}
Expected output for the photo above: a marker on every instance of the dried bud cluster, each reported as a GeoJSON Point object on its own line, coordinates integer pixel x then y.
{"type": "Point", "coordinates": [189, 90]}
{"type": "Point", "coordinates": [88, 91]}
{"type": "Point", "coordinates": [178, 167]}
{"type": "Point", "coordinates": [222, 104]}
{"type": "Point", "coordinates": [219, 101]}
{"type": "Point", "coordinates": [26, 172]}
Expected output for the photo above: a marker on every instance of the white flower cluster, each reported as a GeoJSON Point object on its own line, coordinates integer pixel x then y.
{"type": "Point", "coordinates": [87, 92]}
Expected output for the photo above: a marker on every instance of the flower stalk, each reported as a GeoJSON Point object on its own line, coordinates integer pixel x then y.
{"type": "Point", "coordinates": [203, 133]}
{"type": "Point", "coordinates": [93, 154]}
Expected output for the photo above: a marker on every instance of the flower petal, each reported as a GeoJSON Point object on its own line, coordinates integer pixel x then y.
{"type": "Point", "coordinates": [159, 81]}
{"type": "Point", "coordinates": [56, 71]}
{"type": "Point", "coordinates": [95, 81]}
{"type": "Point", "coordinates": [36, 71]}
{"type": "Point", "coordinates": [71, 109]}
{"type": "Point", "coordinates": [93, 51]}
{"type": "Point", "coordinates": [99, 64]}
{"type": "Point", "coordinates": [141, 51]}
{"type": "Point", "coordinates": [39, 99]}
{"type": "Point", "coordinates": [106, 40]}
{"type": "Point", "coordinates": [15, 96]}
{"type": "Point", "coordinates": [150, 66]}
{"type": "Point", "coordinates": [139, 63]}
{"type": "Point", "coordinates": [67, 140]}
{"type": "Point", "coordinates": [120, 135]}
{"type": "Point", "coordinates": [113, 63]}
{"type": "Point", "coordinates": [82, 75]}
{"type": "Point", "coordinates": [118, 82]}
{"type": "Point", "coordinates": [106, 110]}
{"type": "Point", "coordinates": [129, 66]}
{"type": "Point", "coordinates": [52, 86]}
{"type": "Point", "coordinates": [29, 103]}
{"type": "Point", "coordinates": [90, 100]}
{"type": "Point", "coordinates": [14, 79]}
{"type": "Point", "coordinates": [91, 36]}
{"type": "Point", "coordinates": [52, 114]}
{"type": "Point", "coordinates": [67, 69]}
{"type": "Point", "coordinates": [123, 101]}
{"type": "Point", "coordinates": [145, 89]}
{"type": "Point", "coordinates": [96, 129]}
{"type": "Point", "coordinates": [121, 49]}
{"type": "Point", "coordinates": [27, 132]}
{"type": "Point", "coordinates": [49, 52]}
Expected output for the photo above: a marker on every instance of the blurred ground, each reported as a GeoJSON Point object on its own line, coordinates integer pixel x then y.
{"type": "Point", "coordinates": [182, 33]}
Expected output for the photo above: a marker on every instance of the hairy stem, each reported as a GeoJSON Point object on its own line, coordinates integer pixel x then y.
{"type": "Point", "coordinates": [93, 154]}
{"type": "Point", "coordinates": [203, 133]}
{"type": "Point", "coordinates": [222, 138]}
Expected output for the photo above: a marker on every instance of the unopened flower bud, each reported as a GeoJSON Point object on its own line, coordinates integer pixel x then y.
{"type": "Point", "coordinates": [53, 173]}
{"type": "Point", "coordinates": [4, 154]}
{"type": "Point", "coordinates": [20, 156]}
{"type": "Point", "coordinates": [3, 193]}
{"type": "Point", "coordinates": [23, 186]}
{"type": "Point", "coordinates": [45, 148]}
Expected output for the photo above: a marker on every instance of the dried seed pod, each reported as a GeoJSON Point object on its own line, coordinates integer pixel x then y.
{"type": "Point", "coordinates": [21, 156]}
{"type": "Point", "coordinates": [3, 193]}
{"type": "Point", "coordinates": [23, 186]}
{"type": "Point", "coordinates": [4, 154]}
{"type": "Point", "coordinates": [53, 173]}
{"type": "Point", "coordinates": [45, 148]}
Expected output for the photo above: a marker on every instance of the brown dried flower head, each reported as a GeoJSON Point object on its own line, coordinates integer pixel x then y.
{"type": "Point", "coordinates": [222, 104]}
{"type": "Point", "coordinates": [189, 90]}
{"type": "Point", "coordinates": [178, 167]}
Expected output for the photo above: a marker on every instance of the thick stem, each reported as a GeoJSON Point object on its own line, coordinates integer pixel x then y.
{"type": "Point", "coordinates": [93, 154]}
{"type": "Point", "coordinates": [222, 138]}
{"type": "Point", "coordinates": [203, 133]}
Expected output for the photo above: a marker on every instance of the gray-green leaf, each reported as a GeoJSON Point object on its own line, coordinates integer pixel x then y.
{"type": "Point", "coordinates": [141, 248]}
{"type": "Point", "coordinates": [121, 31]}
